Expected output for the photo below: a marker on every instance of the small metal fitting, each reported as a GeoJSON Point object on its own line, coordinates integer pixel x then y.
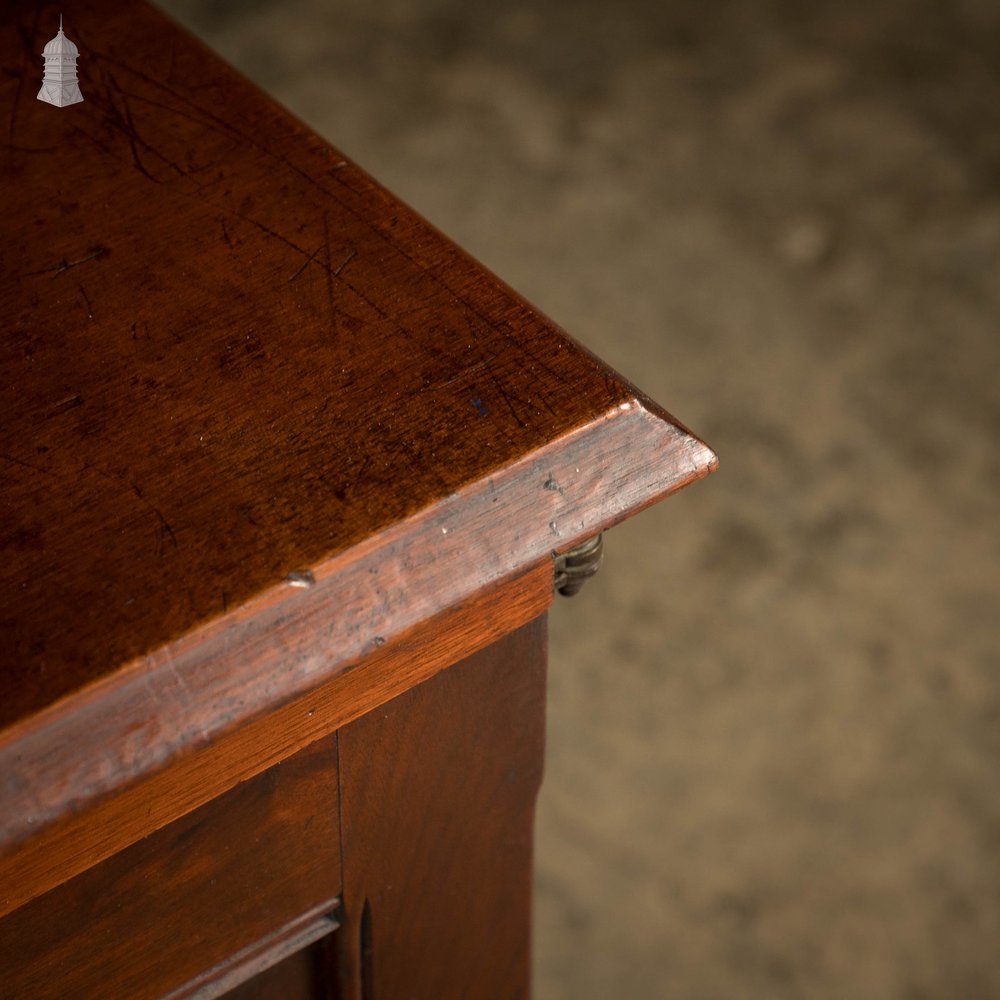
{"type": "Point", "coordinates": [575, 567]}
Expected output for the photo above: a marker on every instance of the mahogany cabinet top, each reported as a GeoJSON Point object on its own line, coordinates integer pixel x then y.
{"type": "Point", "coordinates": [256, 416]}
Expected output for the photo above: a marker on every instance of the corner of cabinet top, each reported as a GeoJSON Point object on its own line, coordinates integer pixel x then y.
{"type": "Point", "coordinates": [241, 384]}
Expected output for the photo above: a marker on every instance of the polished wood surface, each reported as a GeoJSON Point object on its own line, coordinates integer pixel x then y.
{"type": "Point", "coordinates": [168, 915]}
{"type": "Point", "coordinates": [80, 840]}
{"type": "Point", "coordinates": [284, 475]}
{"type": "Point", "coordinates": [437, 795]}
{"type": "Point", "coordinates": [257, 418]}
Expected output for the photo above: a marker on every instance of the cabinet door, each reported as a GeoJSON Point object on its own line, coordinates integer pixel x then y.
{"type": "Point", "coordinates": [438, 791]}
{"type": "Point", "coordinates": [197, 907]}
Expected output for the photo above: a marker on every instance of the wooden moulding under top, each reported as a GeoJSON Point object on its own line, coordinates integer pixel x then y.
{"type": "Point", "coordinates": [259, 423]}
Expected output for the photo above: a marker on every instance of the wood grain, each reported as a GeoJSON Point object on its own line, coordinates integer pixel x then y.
{"type": "Point", "coordinates": [437, 796]}
{"type": "Point", "coordinates": [82, 839]}
{"type": "Point", "coordinates": [302, 976]}
{"type": "Point", "coordinates": [256, 362]}
{"type": "Point", "coordinates": [257, 418]}
{"type": "Point", "coordinates": [175, 905]}
{"type": "Point", "coordinates": [289, 962]}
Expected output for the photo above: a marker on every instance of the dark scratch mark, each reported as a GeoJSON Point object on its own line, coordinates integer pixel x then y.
{"type": "Point", "coordinates": [207, 118]}
{"type": "Point", "coordinates": [27, 465]}
{"type": "Point", "coordinates": [307, 262]}
{"type": "Point", "coordinates": [505, 396]}
{"type": "Point", "coordinates": [225, 602]}
{"type": "Point", "coordinates": [211, 120]}
{"type": "Point", "coordinates": [65, 265]}
{"type": "Point", "coordinates": [327, 266]}
{"type": "Point", "coordinates": [246, 511]}
{"type": "Point", "coordinates": [478, 366]}
{"type": "Point", "coordinates": [130, 132]}
{"type": "Point", "coordinates": [347, 260]}
{"type": "Point", "coordinates": [479, 406]}
{"type": "Point", "coordinates": [126, 114]}
{"type": "Point", "coordinates": [225, 234]}
{"type": "Point", "coordinates": [27, 43]}
{"type": "Point", "coordinates": [102, 146]}
{"type": "Point", "coordinates": [322, 410]}
{"type": "Point", "coordinates": [417, 459]}
{"type": "Point", "coordinates": [165, 530]}
{"type": "Point", "coordinates": [220, 123]}
{"type": "Point", "coordinates": [130, 136]}
{"type": "Point", "coordinates": [329, 273]}
{"type": "Point", "coordinates": [271, 232]}
{"type": "Point", "coordinates": [559, 376]}
{"type": "Point", "coordinates": [197, 119]}
{"type": "Point", "coordinates": [13, 110]}
{"type": "Point", "coordinates": [475, 333]}
{"type": "Point", "coordinates": [121, 119]}
{"type": "Point", "coordinates": [67, 404]}
{"type": "Point", "coordinates": [86, 299]}
{"type": "Point", "coordinates": [360, 474]}
{"type": "Point", "coordinates": [506, 332]}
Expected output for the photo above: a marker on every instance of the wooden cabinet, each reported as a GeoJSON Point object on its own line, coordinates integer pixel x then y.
{"type": "Point", "coordinates": [245, 880]}
{"type": "Point", "coordinates": [285, 477]}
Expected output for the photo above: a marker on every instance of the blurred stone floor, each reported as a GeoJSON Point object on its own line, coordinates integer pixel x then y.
{"type": "Point", "coordinates": [774, 754]}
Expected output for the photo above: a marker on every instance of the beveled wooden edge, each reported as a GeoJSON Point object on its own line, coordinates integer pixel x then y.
{"type": "Point", "coordinates": [291, 639]}
{"type": "Point", "coordinates": [74, 843]}
{"type": "Point", "coordinates": [262, 955]}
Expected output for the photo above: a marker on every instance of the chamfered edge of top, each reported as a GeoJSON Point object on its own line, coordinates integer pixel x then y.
{"type": "Point", "coordinates": [292, 638]}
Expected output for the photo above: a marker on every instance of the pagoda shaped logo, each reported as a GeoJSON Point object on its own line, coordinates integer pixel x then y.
{"type": "Point", "coordinates": [59, 86]}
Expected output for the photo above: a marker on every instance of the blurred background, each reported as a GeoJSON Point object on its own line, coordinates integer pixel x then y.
{"type": "Point", "coordinates": [774, 744]}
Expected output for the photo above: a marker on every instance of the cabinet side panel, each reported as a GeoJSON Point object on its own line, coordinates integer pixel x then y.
{"type": "Point", "coordinates": [438, 791]}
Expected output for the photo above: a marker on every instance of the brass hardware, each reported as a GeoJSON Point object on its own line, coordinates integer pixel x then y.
{"type": "Point", "coordinates": [575, 567]}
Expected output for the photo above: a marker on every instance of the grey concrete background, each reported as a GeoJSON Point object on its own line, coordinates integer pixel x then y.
{"type": "Point", "coordinates": [775, 715]}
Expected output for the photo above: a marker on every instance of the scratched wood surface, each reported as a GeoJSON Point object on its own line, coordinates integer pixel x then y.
{"type": "Point", "coordinates": [257, 418]}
